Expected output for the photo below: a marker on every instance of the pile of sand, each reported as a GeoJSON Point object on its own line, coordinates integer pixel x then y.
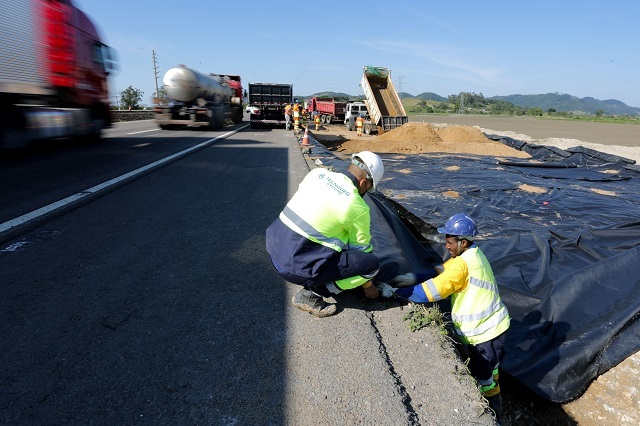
{"type": "Point", "coordinates": [418, 138]}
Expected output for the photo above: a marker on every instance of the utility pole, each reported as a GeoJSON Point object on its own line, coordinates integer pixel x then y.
{"type": "Point", "coordinates": [117, 104]}
{"type": "Point", "coordinates": [155, 74]}
{"type": "Point", "coordinates": [400, 84]}
{"type": "Point", "coordinates": [461, 110]}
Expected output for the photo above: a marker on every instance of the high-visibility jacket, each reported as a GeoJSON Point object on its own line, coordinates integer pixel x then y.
{"type": "Point", "coordinates": [477, 312]}
{"type": "Point", "coordinates": [325, 216]}
{"type": "Point", "coordinates": [359, 122]}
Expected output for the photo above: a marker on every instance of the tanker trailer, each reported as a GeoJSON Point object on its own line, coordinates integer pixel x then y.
{"type": "Point", "coordinates": [198, 99]}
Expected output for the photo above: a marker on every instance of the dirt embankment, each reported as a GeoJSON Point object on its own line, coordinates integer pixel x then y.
{"type": "Point", "coordinates": [416, 138]}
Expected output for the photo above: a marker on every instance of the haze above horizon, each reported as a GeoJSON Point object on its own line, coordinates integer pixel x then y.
{"type": "Point", "coordinates": [500, 48]}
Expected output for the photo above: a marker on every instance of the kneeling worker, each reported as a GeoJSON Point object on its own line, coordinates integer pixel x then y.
{"type": "Point", "coordinates": [322, 238]}
{"type": "Point", "coordinates": [479, 317]}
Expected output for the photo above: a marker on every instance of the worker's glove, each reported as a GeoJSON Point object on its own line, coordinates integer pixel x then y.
{"type": "Point", "coordinates": [404, 280]}
{"type": "Point", "coordinates": [385, 289]}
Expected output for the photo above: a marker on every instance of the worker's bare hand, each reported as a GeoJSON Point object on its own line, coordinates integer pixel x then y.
{"type": "Point", "coordinates": [371, 292]}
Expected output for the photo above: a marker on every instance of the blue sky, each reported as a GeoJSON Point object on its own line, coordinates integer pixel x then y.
{"type": "Point", "coordinates": [583, 48]}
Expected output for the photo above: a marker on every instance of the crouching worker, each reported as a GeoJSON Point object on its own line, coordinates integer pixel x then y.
{"type": "Point", "coordinates": [479, 317]}
{"type": "Point", "coordinates": [322, 238]}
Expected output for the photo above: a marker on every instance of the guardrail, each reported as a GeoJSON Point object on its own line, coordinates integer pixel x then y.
{"type": "Point", "coordinates": [131, 115]}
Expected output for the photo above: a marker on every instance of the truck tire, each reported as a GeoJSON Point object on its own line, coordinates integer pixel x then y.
{"type": "Point", "coordinates": [367, 128]}
{"type": "Point", "coordinates": [216, 117]}
{"type": "Point", "coordinates": [95, 136]}
{"type": "Point", "coordinates": [13, 130]}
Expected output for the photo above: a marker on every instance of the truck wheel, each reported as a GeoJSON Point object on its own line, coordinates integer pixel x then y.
{"type": "Point", "coordinates": [13, 130]}
{"type": "Point", "coordinates": [216, 117]}
{"type": "Point", "coordinates": [367, 129]}
{"type": "Point", "coordinates": [96, 133]}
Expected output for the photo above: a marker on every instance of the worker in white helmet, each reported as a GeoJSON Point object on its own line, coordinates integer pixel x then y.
{"type": "Point", "coordinates": [322, 238]}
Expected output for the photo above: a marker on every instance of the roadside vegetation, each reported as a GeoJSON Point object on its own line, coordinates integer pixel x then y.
{"type": "Point", "coordinates": [477, 104]}
{"type": "Point", "coordinates": [420, 316]}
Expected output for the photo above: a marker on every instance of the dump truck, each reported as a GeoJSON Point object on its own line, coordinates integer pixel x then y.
{"type": "Point", "coordinates": [269, 100]}
{"type": "Point", "coordinates": [53, 73]}
{"type": "Point", "coordinates": [385, 108]}
{"type": "Point", "coordinates": [329, 109]}
{"type": "Point", "coordinates": [199, 100]}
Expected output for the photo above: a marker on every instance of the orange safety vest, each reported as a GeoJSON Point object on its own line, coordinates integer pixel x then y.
{"type": "Point", "coordinates": [359, 122]}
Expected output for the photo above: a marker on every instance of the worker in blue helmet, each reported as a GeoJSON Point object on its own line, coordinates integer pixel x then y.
{"type": "Point", "coordinates": [479, 317]}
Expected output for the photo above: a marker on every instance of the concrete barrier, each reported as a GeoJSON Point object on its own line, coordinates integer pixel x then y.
{"type": "Point", "coordinates": [131, 115]}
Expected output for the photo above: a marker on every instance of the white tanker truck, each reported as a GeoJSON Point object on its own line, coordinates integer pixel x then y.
{"type": "Point", "coordinates": [197, 99]}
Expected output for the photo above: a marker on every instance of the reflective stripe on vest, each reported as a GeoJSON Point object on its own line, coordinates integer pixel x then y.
{"type": "Point", "coordinates": [298, 224]}
{"type": "Point", "coordinates": [478, 312]}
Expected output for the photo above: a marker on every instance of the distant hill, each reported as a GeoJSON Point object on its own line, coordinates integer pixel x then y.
{"type": "Point", "coordinates": [335, 95]}
{"type": "Point", "coordinates": [430, 96]}
{"type": "Point", "coordinates": [426, 96]}
{"type": "Point", "coordinates": [562, 102]}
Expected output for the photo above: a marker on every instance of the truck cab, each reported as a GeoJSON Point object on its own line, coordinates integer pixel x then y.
{"type": "Point", "coordinates": [352, 110]}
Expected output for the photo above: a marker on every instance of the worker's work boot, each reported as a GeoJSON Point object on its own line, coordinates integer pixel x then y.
{"type": "Point", "coordinates": [307, 301]}
{"type": "Point", "coordinates": [495, 403]}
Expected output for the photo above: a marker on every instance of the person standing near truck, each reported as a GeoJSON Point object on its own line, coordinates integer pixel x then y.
{"type": "Point", "coordinates": [359, 124]}
{"type": "Point", "coordinates": [322, 238]}
{"type": "Point", "coordinates": [479, 317]}
{"type": "Point", "coordinates": [287, 116]}
{"type": "Point", "coordinates": [317, 120]}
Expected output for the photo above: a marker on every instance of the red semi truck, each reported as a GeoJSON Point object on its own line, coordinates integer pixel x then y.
{"type": "Point", "coordinates": [328, 109]}
{"type": "Point", "coordinates": [53, 73]}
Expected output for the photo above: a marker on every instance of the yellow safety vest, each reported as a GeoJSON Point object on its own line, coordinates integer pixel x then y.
{"type": "Point", "coordinates": [328, 210]}
{"type": "Point", "coordinates": [477, 312]}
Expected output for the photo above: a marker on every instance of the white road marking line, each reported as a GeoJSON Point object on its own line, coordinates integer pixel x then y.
{"type": "Point", "coordinates": [25, 218]}
{"type": "Point", "coordinates": [143, 131]}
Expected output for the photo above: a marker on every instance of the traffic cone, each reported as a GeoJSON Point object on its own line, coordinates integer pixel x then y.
{"type": "Point", "coordinates": [305, 138]}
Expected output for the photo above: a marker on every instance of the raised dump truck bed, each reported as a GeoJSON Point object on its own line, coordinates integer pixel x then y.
{"type": "Point", "coordinates": [386, 111]}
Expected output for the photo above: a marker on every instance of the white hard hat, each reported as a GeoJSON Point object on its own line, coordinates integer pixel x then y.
{"type": "Point", "coordinates": [373, 164]}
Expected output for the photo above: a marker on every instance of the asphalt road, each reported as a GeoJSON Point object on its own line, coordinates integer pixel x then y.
{"type": "Point", "coordinates": [154, 301]}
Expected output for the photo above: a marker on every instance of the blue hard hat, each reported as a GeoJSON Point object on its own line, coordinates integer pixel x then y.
{"type": "Point", "coordinates": [459, 225]}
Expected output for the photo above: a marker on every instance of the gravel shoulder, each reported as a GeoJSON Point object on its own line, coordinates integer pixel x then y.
{"type": "Point", "coordinates": [609, 399]}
